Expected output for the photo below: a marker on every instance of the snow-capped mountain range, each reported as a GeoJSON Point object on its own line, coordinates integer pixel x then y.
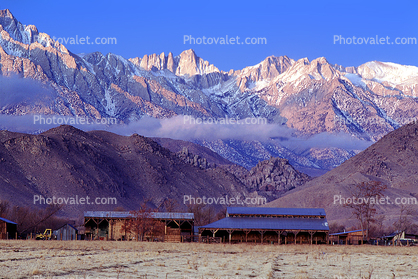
{"type": "Point", "coordinates": [310, 97]}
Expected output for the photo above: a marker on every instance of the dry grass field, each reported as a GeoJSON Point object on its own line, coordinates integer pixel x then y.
{"type": "Point", "coordinates": [99, 259]}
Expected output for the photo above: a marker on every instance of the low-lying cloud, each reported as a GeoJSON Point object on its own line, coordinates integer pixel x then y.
{"type": "Point", "coordinates": [177, 128]}
{"type": "Point", "coordinates": [16, 90]}
{"type": "Point", "coordinates": [324, 140]}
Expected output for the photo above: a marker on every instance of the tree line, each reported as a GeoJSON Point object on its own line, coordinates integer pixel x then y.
{"type": "Point", "coordinates": [31, 220]}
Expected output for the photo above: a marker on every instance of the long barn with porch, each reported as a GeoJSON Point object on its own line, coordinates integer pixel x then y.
{"type": "Point", "coordinates": [270, 225]}
{"type": "Point", "coordinates": [109, 225]}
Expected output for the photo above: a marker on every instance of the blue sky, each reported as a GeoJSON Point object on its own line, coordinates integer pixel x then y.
{"type": "Point", "coordinates": [294, 28]}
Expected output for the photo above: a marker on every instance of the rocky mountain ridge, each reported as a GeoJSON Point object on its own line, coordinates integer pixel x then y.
{"type": "Point", "coordinates": [66, 162]}
{"type": "Point", "coordinates": [269, 178]}
{"type": "Point", "coordinates": [310, 97]}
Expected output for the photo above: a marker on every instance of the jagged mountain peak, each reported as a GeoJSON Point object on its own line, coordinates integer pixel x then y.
{"type": "Point", "coordinates": [20, 39]}
{"type": "Point", "coordinates": [188, 52]}
{"type": "Point", "coordinates": [260, 74]}
{"type": "Point", "coordinates": [6, 13]}
{"type": "Point", "coordinates": [190, 64]}
{"type": "Point", "coordinates": [321, 61]}
{"type": "Point", "coordinates": [303, 69]}
{"type": "Point", "coordinates": [25, 34]}
{"type": "Point", "coordinates": [303, 61]}
{"type": "Point", "coordinates": [186, 63]}
{"type": "Point", "coordinates": [16, 30]}
{"type": "Point", "coordinates": [280, 63]}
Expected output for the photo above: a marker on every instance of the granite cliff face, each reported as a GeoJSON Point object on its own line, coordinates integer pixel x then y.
{"type": "Point", "coordinates": [187, 63]}
{"type": "Point", "coordinates": [194, 159]}
{"type": "Point", "coordinates": [275, 174]}
{"type": "Point", "coordinates": [273, 178]}
{"type": "Point", "coordinates": [310, 97]}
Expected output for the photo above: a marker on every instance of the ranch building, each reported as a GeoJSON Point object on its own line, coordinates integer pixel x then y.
{"type": "Point", "coordinates": [269, 225]}
{"type": "Point", "coordinates": [8, 229]}
{"type": "Point", "coordinates": [157, 226]}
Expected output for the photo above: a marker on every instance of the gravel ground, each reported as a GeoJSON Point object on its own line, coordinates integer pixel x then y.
{"type": "Point", "coordinates": [101, 259]}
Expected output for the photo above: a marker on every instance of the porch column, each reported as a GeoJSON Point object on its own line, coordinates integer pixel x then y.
{"type": "Point", "coordinates": [246, 235]}
{"type": "Point", "coordinates": [111, 229]}
{"type": "Point", "coordinates": [229, 235]}
{"type": "Point", "coordinates": [278, 237]}
{"type": "Point", "coordinates": [296, 234]}
{"type": "Point", "coordinates": [262, 235]}
{"type": "Point", "coordinates": [311, 233]}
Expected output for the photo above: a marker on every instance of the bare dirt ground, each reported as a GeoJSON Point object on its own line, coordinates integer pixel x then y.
{"type": "Point", "coordinates": [100, 259]}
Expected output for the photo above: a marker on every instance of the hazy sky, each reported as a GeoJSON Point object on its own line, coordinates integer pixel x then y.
{"type": "Point", "coordinates": [294, 28]}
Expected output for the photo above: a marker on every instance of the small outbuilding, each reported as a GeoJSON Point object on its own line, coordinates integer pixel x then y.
{"type": "Point", "coordinates": [347, 238]}
{"type": "Point", "coordinates": [66, 232]}
{"type": "Point", "coordinates": [8, 229]}
{"type": "Point", "coordinates": [400, 238]}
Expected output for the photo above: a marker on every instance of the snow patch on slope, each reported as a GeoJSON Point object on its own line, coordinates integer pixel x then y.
{"type": "Point", "coordinates": [356, 80]}
{"type": "Point", "coordinates": [392, 73]}
{"type": "Point", "coordinates": [110, 105]}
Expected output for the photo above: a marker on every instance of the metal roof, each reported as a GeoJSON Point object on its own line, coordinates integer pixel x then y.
{"type": "Point", "coordinates": [66, 225]}
{"type": "Point", "coordinates": [7, 221]}
{"type": "Point", "coordinates": [275, 211]}
{"type": "Point", "coordinates": [340, 233]}
{"type": "Point", "coordinates": [269, 223]}
{"type": "Point", "coordinates": [392, 234]}
{"type": "Point", "coordinates": [127, 214]}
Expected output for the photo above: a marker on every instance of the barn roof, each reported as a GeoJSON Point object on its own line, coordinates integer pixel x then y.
{"type": "Point", "coordinates": [275, 211]}
{"type": "Point", "coordinates": [67, 225]}
{"type": "Point", "coordinates": [392, 234]}
{"type": "Point", "coordinates": [269, 223]}
{"type": "Point", "coordinates": [127, 214]}
{"type": "Point", "coordinates": [7, 221]}
{"type": "Point", "coordinates": [340, 233]}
